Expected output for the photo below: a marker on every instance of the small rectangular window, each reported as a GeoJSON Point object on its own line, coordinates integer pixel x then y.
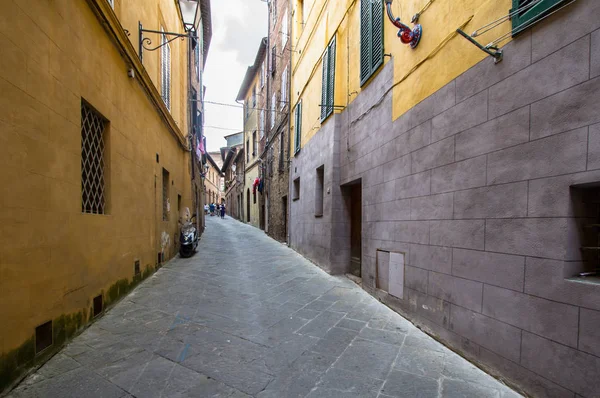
{"type": "Point", "coordinates": [93, 160]}
{"type": "Point", "coordinates": [319, 191]}
{"type": "Point", "coordinates": [296, 190]}
{"type": "Point", "coordinates": [43, 337]}
{"type": "Point", "coordinates": [254, 144]}
{"type": "Point", "coordinates": [165, 191]}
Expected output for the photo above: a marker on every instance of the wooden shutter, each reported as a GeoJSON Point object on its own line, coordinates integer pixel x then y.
{"type": "Point", "coordinates": [331, 78]}
{"type": "Point", "coordinates": [298, 123]}
{"type": "Point", "coordinates": [365, 40]}
{"type": "Point", "coordinates": [529, 15]}
{"type": "Point", "coordinates": [376, 35]}
{"type": "Point", "coordinates": [325, 85]}
{"type": "Point", "coordinates": [371, 38]}
{"type": "Point", "coordinates": [328, 84]}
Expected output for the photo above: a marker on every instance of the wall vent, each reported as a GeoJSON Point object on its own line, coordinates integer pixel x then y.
{"type": "Point", "coordinates": [157, 158]}
{"type": "Point", "coordinates": [97, 305]}
{"type": "Point", "coordinates": [43, 337]}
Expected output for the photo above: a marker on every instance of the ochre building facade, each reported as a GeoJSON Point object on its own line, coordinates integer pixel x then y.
{"type": "Point", "coordinates": [96, 166]}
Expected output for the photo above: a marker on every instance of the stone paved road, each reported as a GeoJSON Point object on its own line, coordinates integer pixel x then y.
{"type": "Point", "coordinates": [248, 317]}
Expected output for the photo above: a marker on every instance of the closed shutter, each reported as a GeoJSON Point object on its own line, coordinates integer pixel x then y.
{"type": "Point", "coordinates": [331, 78]}
{"type": "Point", "coordinates": [328, 86]}
{"type": "Point", "coordinates": [298, 123]}
{"type": "Point", "coordinates": [365, 40]}
{"type": "Point", "coordinates": [325, 85]}
{"type": "Point", "coordinates": [377, 34]}
{"type": "Point", "coordinates": [371, 38]}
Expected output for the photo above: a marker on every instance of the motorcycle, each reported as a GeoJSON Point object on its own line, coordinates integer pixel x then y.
{"type": "Point", "coordinates": [188, 239]}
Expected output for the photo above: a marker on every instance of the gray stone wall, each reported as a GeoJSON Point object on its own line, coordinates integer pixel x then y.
{"type": "Point", "coordinates": [312, 235]}
{"type": "Point", "coordinates": [277, 181]}
{"type": "Point", "coordinates": [474, 184]}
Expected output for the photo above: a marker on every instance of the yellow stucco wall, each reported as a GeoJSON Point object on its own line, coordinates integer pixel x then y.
{"type": "Point", "coordinates": [55, 259]}
{"type": "Point", "coordinates": [441, 56]}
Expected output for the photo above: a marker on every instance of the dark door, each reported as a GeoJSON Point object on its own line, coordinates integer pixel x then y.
{"type": "Point", "coordinates": [284, 212]}
{"type": "Point", "coordinates": [248, 205]}
{"type": "Point", "coordinates": [355, 228]}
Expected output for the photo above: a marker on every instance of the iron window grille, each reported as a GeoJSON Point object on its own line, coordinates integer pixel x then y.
{"type": "Point", "coordinates": [93, 181]}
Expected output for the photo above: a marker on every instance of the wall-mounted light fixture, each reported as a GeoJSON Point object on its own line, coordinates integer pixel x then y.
{"type": "Point", "coordinates": [190, 14]}
{"type": "Point", "coordinates": [406, 34]}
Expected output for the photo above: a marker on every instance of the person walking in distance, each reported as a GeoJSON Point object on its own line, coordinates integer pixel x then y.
{"type": "Point", "coordinates": [222, 210]}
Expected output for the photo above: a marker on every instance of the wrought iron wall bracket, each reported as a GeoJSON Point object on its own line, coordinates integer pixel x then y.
{"type": "Point", "coordinates": [144, 42]}
{"type": "Point", "coordinates": [407, 35]}
{"type": "Point", "coordinates": [491, 50]}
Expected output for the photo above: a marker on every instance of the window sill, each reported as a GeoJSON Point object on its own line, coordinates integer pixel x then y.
{"type": "Point", "coordinates": [318, 215]}
{"type": "Point", "coordinates": [586, 280]}
{"type": "Point", "coordinates": [295, 199]}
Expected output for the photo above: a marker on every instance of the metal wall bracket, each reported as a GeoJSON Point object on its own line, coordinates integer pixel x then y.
{"type": "Point", "coordinates": [145, 41]}
{"type": "Point", "coordinates": [491, 50]}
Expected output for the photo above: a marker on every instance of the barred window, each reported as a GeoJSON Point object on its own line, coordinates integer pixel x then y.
{"type": "Point", "coordinates": [93, 182]}
{"type": "Point", "coordinates": [165, 188]}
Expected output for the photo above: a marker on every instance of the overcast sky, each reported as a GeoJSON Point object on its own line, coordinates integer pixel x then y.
{"type": "Point", "coordinates": [238, 26]}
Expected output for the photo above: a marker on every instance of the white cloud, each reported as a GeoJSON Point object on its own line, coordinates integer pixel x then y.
{"type": "Point", "coordinates": [238, 27]}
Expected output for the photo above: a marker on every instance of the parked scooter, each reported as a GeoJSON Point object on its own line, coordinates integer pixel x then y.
{"type": "Point", "coordinates": [188, 238]}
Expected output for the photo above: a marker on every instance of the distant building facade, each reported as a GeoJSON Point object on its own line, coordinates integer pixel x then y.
{"type": "Point", "coordinates": [275, 148]}
{"type": "Point", "coordinates": [253, 93]}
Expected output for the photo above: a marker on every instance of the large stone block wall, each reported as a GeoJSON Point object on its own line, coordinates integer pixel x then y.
{"type": "Point", "coordinates": [309, 234]}
{"type": "Point", "coordinates": [474, 185]}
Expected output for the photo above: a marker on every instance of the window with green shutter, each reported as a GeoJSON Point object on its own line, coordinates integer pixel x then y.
{"type": "Point", "coordinates": [328, 84]}
{"type": "Point", "coordinates": [298, 126]}
{"type": "Point", "coordinates": [371, 38]}
{"type": "Point", "coordinates": [530, 11]}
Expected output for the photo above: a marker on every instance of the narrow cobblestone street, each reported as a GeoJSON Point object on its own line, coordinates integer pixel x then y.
{"type": "Point", "coordinates": [247, 316]}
